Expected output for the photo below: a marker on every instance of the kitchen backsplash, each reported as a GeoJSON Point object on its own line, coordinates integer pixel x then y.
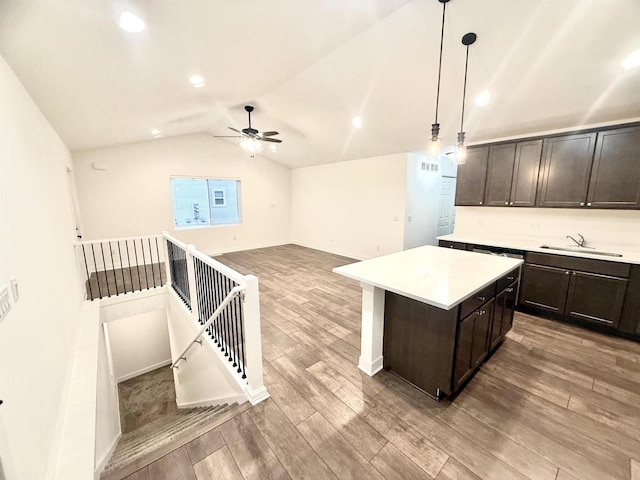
{"type": "Point", "coordinates": [601, 228]}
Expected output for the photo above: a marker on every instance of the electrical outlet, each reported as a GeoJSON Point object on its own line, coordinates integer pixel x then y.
{"type": "Point", "coordinates": [5, 304]}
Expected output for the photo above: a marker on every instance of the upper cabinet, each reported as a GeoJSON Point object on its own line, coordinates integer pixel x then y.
{"type": "Point", "coordinates": [615, 176]}
{"type": "Point", "coordinates": [596, 168]}
{"type": "Point", "coordinates": [512, 174]}
{"type": "Point", "coordinates": [471, 177]}
{"type": "Point", "coordinates": [565, 171]}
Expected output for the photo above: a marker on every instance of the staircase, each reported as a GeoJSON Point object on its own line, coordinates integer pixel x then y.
{"type": "Point", "coordinates": [145, 444]}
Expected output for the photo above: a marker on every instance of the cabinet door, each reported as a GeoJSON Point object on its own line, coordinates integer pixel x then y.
{"type": "Point", "coordinates": [544, 287]}
{"type": "Point", "coordinates": [566, 168]}
{"type": "Point", "coordinates": [615, 176]}
{"type": "Point", "coordinates": [508, 309]}
{"type": "Point", "coordinates": [499, 174]}
{"type": "Point", "coordinates": [525, 174]}
{"type": "Point", "coordinates": [471, 177]}
{"type": "Point", "coordinates": [464, 345]}
{"type": "Point", "coordinates": [496, 325]}
{"type": "Point", "coordinates": [597, 298]}
{"type": "Point", "coordinates": [481, 330]}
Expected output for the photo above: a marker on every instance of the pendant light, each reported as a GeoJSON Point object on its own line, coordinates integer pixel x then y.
{"type": "Point", "coordinates": [461, 150]}
{"type": "Point", "coordinates": [434, 148]}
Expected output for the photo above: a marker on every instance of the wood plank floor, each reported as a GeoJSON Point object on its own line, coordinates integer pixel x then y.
{"type": "Point", "coordinates": [555, 402]}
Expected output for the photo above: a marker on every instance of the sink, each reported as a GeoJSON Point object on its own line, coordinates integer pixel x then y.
{"type": "Point", "coordinates": [586, 250]}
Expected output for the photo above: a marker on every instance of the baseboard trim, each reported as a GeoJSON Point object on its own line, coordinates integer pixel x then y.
{"type": "Point", "coordinates": [324, 248]}
{"type": "Point", "coordinates": [255, 397]}
{"type": "Point", "coordinates": [142, 371]}
{"type": "Point", "coordinates": [249, 247]}
{"type": "Point", "coordinates": [105, 459]}
{"type": "Point", "coordinates": [239, 399]}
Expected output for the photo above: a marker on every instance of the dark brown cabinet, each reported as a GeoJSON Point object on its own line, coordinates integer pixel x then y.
{"type": "Point", "coordinates": [471, 177]}
{"type": "Point", "coordinates": [596, 298]}
{"type": "Point", "coordinates": [565, 170]}
{"type": "Point", "coordinates": [544, 287]}
{"type": "Point", "coordinates": [512, 174]}
{"type": "Point", "coordinates": [588, 290]}
{"type": "Point", "coordinates": [473, 342]}
{"type": "Point", "coordinates": [502, 315]}
{"type": "Point", "coordinates": [449, 244]}
{"type": "Point", "coordinates": [615, 175]}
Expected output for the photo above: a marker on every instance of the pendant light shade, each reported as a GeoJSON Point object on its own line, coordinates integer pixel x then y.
{"type": "Point", "coordinates": [435, 146]}
{"type": "Point", "coordinates": [461, 149]}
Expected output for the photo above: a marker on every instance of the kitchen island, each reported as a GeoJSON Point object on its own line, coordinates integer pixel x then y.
{"type": "Point", "coordinates": [431, 315]}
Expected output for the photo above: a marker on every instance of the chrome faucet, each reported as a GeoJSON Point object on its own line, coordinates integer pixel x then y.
{"type": "Point", "coordinates": [580, 242]}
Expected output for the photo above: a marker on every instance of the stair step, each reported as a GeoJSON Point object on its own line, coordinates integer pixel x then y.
{"type": "Point", "coordinates": [158, 433]}
{"type": "Point", "coordinates": [160, 425]}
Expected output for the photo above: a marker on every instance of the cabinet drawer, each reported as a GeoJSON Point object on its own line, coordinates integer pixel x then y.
{"type": "Point", "coordinates": [601, 267]}
{"type": "Point", "coordinates": [508, 279]}
{"type": "Point", "coordinates": [477, 299]}
{"type": "Point", "coordinates": [450, 244]}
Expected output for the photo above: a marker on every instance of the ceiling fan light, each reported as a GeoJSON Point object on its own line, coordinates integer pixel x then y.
{"type": "Point", "coordinates": [251, 145]}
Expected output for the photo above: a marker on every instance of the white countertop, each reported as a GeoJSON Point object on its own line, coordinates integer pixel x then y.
{"type": "Point", "coordinates": [437, 276]}
{"type": "Point", "coordinates": [533, 245]}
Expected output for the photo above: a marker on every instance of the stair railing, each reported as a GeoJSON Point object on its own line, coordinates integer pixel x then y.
{"type": "Point", "coordinates": [117, 266]}
{"type": "Point", "coordinates": [196, 339]}
{"type": "Point", "coordinates": [226, 306]}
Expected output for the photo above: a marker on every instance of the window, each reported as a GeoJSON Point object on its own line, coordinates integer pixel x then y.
{"type": "Point", "coordinates": [202, 202]}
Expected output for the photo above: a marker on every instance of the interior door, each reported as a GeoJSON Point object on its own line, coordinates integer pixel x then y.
{"type": "Point", "coordinates": [446, 207]}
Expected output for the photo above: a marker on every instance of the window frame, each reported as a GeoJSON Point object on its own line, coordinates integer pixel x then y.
{"type": "Point", "coordinates": [209, 224]}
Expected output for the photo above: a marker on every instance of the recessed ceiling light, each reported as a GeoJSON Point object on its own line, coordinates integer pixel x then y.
{"type": "Point", "coordinates": [357, 122]}
{"type": "Point", "coordinates": [632, 60]}
{"type": "Point", "coordinates": [483, 98]}
{"type": "Point", "coordinates": [156, 133]}
{"type": "Point", "coordinates": [197, 81]}
{"type": "Point", "coordinates": [131, 23]}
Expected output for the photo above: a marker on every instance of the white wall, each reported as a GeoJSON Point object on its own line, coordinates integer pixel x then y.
{"type": "Point", "coordinates": [601, 228]}
{"type": "Point", "coordinates": [36, 235]}
{"type": "Point", "coordinates": [353, 208]}
{"type": "Point", "coordinates": [423, 195]}
{"type": "Point", "coordinates": [133, 196]}
{"type": "Point", "coordinates": [139, 344]}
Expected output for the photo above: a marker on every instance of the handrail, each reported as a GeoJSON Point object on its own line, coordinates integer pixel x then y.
{"type": "Point", "coordinates": [234, 291]}
{"type": "Point", "coordinates": [221, 267]}
{"type": "Point", "coordinates": [174, 240]}
{"type": "Point", "coordinates": [121, 239]}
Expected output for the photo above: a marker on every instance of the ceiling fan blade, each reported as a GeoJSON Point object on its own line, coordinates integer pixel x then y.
{"type": "Point", "coordinates": [269, 134]}
{"type": "Point", "coordinates": [235, 130]}
{"type": "Point", "coordinates": [272, 140]}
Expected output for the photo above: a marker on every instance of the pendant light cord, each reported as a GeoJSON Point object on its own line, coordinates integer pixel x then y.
{"type": "Point", "coordinates": [444, 8]}
{"type": "Point", "coordinates": [464, 90]}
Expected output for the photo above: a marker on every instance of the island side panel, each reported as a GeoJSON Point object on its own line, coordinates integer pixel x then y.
{"type": "Point", "coordinates": [370, 361]}
{"type": "Point", "coordinates": [419, 342]}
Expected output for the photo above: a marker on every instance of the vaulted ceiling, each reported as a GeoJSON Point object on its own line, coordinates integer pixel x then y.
{"type": "Point", "coordinates": [310, 66]}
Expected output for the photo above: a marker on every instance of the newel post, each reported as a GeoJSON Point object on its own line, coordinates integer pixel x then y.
{"type": "Point", "coordinates": [256, 390]}
{"type": "Point", "coordinates": [165, 251]}
{"type": "Point", "coordinates": [191, 275]}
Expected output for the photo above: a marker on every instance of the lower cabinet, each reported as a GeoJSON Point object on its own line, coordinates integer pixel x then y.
{"type": "Point", "coordinates": [472, 342]}
{"type": "Point", "coordinates": [589, 290]}
{"type": "Point", "coordinates": [502, 315]}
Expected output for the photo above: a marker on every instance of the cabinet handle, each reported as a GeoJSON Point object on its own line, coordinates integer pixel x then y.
{"type": "Point", "coordinates": [589, 204]}
{"type": "Point", "coordinates": [506, 203]}
{"type": "Point", "coordinates": [567, 272]}
{"type": "Point", "coordinates": [511, 278]}
{"type": "Point", "coordinates": [480, 203]}
{"type": "Point", "coordinates": [511, 203]}
{"type": "Point", "coordinates": [582, 204]}
{"type": "Point", "coordinates": [480, 312]}
{"type": "Point", "coordinates": [574, 274]}
{"type": "Point", "coordinates": [509, 290]}
{"type": "Point", "coordinates": [481, 298]}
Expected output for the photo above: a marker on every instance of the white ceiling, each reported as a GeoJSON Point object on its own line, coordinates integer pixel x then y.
{"type": "Point", "coordinates": [310, 66]}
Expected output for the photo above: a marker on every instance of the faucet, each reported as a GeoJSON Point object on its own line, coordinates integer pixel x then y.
{"type": "Point", "coordinates": [580, 242]}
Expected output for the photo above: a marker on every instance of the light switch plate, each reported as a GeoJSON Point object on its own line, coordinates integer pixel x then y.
{"type": "Point", "coordinates": [15, 289]}
{"type": "Point", "coordinates": [5, 304]}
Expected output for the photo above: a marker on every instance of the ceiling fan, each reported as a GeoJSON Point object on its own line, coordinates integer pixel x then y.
{"type": "Point", "coordinates": [251, 136]}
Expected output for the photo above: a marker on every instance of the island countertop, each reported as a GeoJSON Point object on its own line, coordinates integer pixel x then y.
{"type": "Point", "coordinates": [441, 277]}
